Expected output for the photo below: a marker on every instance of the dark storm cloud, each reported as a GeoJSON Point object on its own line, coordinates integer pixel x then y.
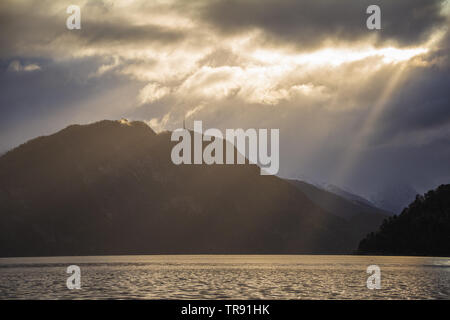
{"type": "Point", "coordinates": [121, 33]}
{"type": "Point", "coordinates": [31, 30]}
{"type": "Point", "coordinates": [421, 103]}
{"type": "Point", "coordinates": [310, 23]}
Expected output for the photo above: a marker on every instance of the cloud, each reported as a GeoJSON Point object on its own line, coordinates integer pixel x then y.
{"type": "Point", "coordinates": [418, 109]}
{"type": "Point", "coordinates": [152, 92]}
{"type": "Point", "coordinates": [36, 103]}
{"type": "Point", "coordinates": [310, 24]}
{"type": "Point", "coordinates": [38, 28]}
{"type": "Point", "coordinates": [159, 125]}
{"type": "Point", "coordinates": [16, 66]}
{"type": "Point", "coordinates": [309, 68]}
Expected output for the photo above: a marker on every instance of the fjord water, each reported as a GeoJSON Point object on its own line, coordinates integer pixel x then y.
{"type": "Point", "coordinates": [225, 277]}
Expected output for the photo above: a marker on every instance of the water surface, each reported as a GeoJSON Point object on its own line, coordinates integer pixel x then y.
{"type": "Point", "coordinates": [225, 277]}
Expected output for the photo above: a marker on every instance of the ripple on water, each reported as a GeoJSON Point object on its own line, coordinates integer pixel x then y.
{"type": "Point", "coordinates": [225, 277]}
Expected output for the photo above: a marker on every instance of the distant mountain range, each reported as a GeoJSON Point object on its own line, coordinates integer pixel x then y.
{"type": "Point", "coordinates": [111, 188]}
{"type": "Point", "coordinates": [357, 199]}
{"type": "Point", "coordinates": [422, 229]}
{"type": "Point", "coordinates": [363, 216]}
{"type": "Point", "coordinates": [394, 197]}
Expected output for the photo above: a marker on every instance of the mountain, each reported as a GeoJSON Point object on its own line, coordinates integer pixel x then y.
{"type": "Point", "coordinates": [394, 197]}
{"type": "Point", "coordinates": [350, 196]}
{"type": "Point", "coordinates": [338, 191]}
{"type": "Point", "coordinates": [422, 229]}
{"type": "Point", "coordinates": [111, 188]}
{"type": "Point", "coordinates": [364, 217]}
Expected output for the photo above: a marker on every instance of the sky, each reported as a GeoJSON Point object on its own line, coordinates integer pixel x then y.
{"type": "Point", "coordinates": [355, 107]}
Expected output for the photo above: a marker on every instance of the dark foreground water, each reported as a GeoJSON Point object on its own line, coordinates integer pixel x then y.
{"type": "Point", "coordinates": [225, 277]}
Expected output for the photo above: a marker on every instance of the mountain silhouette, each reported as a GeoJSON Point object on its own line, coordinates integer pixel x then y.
{"type": "Point", "coordinates": [357, 199]}
{"type": "Point", "coordinates": [422, 229]}
{"type": "Point", "coordinates": [364, 217]}
{"type": "Point", "coordinates": [111, 188]}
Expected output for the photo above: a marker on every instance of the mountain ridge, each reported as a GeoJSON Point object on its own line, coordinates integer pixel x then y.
{"type": "Point", "coordinates": [422, 228]}
{"type": "Point", "coordinates": [111, 188]}
{"type": "Point", "coordinates": [365, 217]}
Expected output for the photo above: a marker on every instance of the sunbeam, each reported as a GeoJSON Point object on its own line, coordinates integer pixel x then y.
{"type": "Point", "coordinates": [368, 127]}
